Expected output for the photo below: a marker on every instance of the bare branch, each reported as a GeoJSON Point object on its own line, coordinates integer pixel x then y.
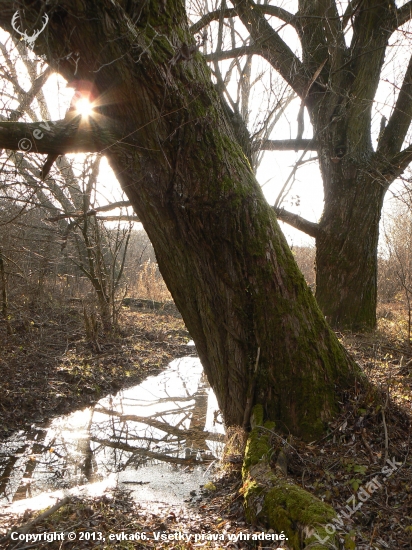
{"type": "Point", "coordinates": [271, 46]}
{"type": "Point", "coordinates": [395, 132]}
{"type": "Point", "coordinates": [310, 228]}
{"type": "Point", "coordinates": [285, 145]}
{"type": "Point", "coordinates": [388, 168]}
{"type": "Point", "coordinates": [28, 97]}
{"type": "Point", "coordinates": [275, 11]}
{"type": "Point", "coordinates": [55, 137]}
{"type": "Point", "coordinates": [350, 11]}
{"type": "Point", "coordinates": [212, 16]}
{"type": "Point", "coordinates": [236, 52]}
{"type": "Point", "coordinates": [400, 162]}
{"type": "Point", "coordinates": [122, 218]}
{"type": "Point", "coordinates": [28, 526]}
{"type": "Point", "coordinates": [94, 211]}
{"type": "Point", "coordinates": [112, 206]}
{"type": "Point", "coordinates": [404, 13]}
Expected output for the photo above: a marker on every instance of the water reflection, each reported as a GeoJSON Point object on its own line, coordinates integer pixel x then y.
{"type": "Point", "coordinates": [153, 435]}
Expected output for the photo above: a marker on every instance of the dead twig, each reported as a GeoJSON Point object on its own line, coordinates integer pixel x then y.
{"type": "Point", "coordinates": [26, 528]}
{"type": "Point", "coordinates": [385, 428]}
{"type": "Point", "coordinates": [367, 446]}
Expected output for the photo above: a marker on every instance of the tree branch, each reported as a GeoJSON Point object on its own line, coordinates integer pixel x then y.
{"type": "Point", "coordinates": [310, 228]}
{"type": "Point", "coordinates": [212, 16]}
{"type": "Point", "coordinates": [26, 98]}
{"type": "Point", "coordinates": [271, 46]}
{"type": "Point", "coordinates": [275, 11]}
{"type": "Point", "coordinates": [399, 163]}
{"type": "Point", "coordinates": [366, 55]}
{"type": "Point", "coordinates": [121, 218]}
{"type": "Point", "coordinates": [285, 145]}
{"type": "Point", "coordinates": [388, 168]}
{"type": "Point", "coordinates": [351, 8]}
{"type": "Point", "coordinates": [55, 137]}
{"type": "Point", "coordinates": [395, 132]}
{"type": "Point", "coordinates": [236, 52]}
{"type": "Point", "coordinates": [29, 96]}
{"type": "Point", "coordinates": [28, 526]}
{"type": "Point", "coordinates": [404, 14]}
{"type": "Point", "coordinates": [112, 206]}
{"type": "Point", "coordinates": [94, 211]}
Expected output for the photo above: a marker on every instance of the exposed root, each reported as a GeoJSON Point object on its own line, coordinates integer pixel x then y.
{"type": "Point", "coordinates": [275, 502]}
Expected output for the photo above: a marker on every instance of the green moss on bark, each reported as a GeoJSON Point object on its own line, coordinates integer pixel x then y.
{"type": "Point", "coordinates": [271, 500]}
{"type": "Point", "coordinates": [256, 447]}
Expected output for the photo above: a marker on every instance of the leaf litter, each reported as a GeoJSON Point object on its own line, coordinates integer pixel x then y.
{"type": "Point", "coordinates": [368, 432]}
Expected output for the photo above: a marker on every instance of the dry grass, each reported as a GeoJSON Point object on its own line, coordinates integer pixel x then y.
{"type": "Point", "coordinates": [149, 284]}
{"type": "Point", "coordinates": [385, 354]}
{"type": "Point", "coordinates": [393, 323]}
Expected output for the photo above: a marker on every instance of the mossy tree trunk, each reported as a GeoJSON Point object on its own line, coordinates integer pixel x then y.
{"type": "Point", "coordinates": [346, 253]}
{"type": "Point", "coordinates": [258, 330]}
{"type": "Point", "coordinates": [273, 501]}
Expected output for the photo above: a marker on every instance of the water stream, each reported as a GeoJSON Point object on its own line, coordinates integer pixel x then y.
{"type": "Point", "coordinates": [157, 439]}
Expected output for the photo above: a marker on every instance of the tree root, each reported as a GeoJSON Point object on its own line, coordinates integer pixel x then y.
{"type": "Point", "coordinates": [272, 500]}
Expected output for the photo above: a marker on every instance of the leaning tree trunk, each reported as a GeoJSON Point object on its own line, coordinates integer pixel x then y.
{"type": "Point", "coordinates": [346, 254]}
{"type": "Point", "coordinates": [258, 330]}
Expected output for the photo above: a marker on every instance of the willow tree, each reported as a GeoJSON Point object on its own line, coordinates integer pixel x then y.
{"type": "Point", "coordinates": [344, 45]}
{"type": "Point", "coordinates": [256, 325]}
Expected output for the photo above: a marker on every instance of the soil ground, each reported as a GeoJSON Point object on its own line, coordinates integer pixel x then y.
{"type": "Point", "coordinates": [336, 468]}
{"type": "Point", "coordinates": [49, 368]}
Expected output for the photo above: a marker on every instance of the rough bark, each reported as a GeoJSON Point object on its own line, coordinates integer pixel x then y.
{"type": "Point", "coordinates": [346, 255]}
{"type": "Point", "coordinates": [217, 241]}
{"type": "Point", "coordinates": [346, 258]}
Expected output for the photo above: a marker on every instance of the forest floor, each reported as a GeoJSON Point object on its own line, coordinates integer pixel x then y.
{"type": "Point", "coordinates": [369, 441]}
{"type": "Point", "coordinates": [48, 367]}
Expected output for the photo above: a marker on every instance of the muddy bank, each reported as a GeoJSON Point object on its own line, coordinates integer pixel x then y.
{"type": "Point", "coordinates": [48, 368]}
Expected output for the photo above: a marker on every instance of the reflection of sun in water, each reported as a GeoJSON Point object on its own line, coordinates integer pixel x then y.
{"type": "Point", "coordinates": [84, 107]}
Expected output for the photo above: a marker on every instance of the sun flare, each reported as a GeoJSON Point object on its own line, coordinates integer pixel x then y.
{"type": "Point", "coordinates": [84, 107]}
